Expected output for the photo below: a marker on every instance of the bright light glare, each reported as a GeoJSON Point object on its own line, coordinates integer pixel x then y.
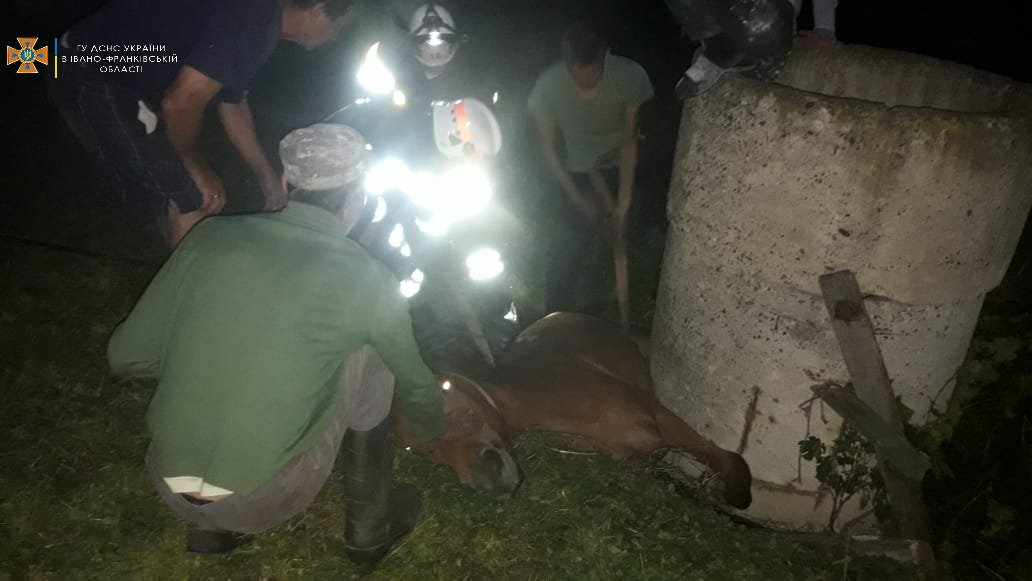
{"type": "Point", "coordinates": [435, 39]}
{"type": "Point", "coordinates": [397, 237]}
{"type": "Point", "coordinates": [446, 385]}
{"type": "Point", "coordinates": [381, 210]}
{"type": "Point", "coordinates": [373, 75]}
{"type": "Point", "coordinates": [484, 264]}
{"type": "Point", "coordinates": [464, 191]}
{"type": "Point", "coordinates": [418, 276]}
{"type": "Point", "coordinates": [419, 187]}
{"type": "Point", "coordinates": [511, 315]}
{"type": "Point", "coordinates": [460, 193]}
{"type": "Point", "coordinates": [433, 227]}
{"type": "Point", "coordinates": [406, 250]}
{"type": "Point", "coordinates": [409, 288]}
{"type": "Point", "coordinates": [494, 98]}
{"type": "Point", "coordinates": [389, 173]}
{"type": "Point", "coordinates": [399, 99]}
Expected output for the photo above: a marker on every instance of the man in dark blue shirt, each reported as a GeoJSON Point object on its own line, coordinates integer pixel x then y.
{"type": "Point", "coordinates": [142, 74]}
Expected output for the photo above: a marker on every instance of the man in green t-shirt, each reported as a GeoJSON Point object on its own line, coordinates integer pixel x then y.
{"type": "Point", "coordinates": [277, 341]}
{"type": "Point", "coordinates": [592, 98]}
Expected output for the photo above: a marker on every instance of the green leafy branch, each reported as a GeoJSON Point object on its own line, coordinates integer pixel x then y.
{"type": "Point", "coordinates": [846, 468]}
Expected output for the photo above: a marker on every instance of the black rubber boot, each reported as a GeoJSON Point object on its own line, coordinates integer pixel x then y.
{"type": "Point", "coordinates": [213, 542]}
{"type": "Point", "coordinates": [377, 512]}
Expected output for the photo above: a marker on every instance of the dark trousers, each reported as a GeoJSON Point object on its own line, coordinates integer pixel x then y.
{"type": "Point", "coordinates": [573, 237]}
{"type": "Point", "coordinates": [141, 167]}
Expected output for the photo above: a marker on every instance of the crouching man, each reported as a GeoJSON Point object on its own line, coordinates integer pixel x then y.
{"type": "Point", "coordinates": [277, 342]}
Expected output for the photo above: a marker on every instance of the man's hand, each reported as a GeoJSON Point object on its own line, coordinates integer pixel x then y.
{"type": "Point", "coordinates": [602, 191]}
{"type": "Point", "coordinates": [274, 191]}
{"type": "Point", "coordinates": [584, 205]}
{"type": "Point", "coordinates": [239, 126]}
{"type": "Point", "coordinates": [213, 194]}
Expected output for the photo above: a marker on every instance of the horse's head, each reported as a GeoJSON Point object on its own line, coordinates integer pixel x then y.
{"type": "Point", "coordinates": [476, 445]}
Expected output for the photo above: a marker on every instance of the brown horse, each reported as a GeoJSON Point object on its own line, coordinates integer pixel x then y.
{"type": "Point", "coordinates": [574, 375]}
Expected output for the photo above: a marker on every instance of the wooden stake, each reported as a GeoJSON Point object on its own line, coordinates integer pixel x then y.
{"type": "Point", "coordinates": [889, 442]}
{"type": "Point", "coordinates": [866, 367]}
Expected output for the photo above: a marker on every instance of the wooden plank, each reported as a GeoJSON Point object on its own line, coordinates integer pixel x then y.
{"type": "Point", "coordinates": [863, 358]}
{"type": "Point", "coordinates": [888, 442]}
{"type": "Point", "coordinates": [860, 349]}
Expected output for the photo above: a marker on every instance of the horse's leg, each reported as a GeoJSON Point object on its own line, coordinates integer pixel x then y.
{"type": "Point", "coordinates": [731, 467]}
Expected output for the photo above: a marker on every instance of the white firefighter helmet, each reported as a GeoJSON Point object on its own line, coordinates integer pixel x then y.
{"type": "Point", "coordinates": [433, 30]}
{"type": "Point", "coordinates": [466, 128]}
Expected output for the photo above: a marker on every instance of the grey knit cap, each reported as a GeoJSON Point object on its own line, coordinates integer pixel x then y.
{"type": "Point", "coordinates": [323, 156]}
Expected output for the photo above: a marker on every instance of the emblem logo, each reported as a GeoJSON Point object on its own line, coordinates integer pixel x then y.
{"type": "Point", "coordinates": [27, 55]}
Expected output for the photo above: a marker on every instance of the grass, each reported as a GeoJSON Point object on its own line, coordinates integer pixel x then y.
{"type": "Point", "coordinates": [75, 502]}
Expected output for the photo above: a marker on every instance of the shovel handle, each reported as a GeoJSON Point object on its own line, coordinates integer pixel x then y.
{"type": "Point", "coordinates": [620, 270]}
{"type": "Point", "coordinates": [619, 256]}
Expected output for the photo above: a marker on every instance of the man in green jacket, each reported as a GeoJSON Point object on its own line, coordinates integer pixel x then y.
{"type": "Point", "coordinates": [277, 341]}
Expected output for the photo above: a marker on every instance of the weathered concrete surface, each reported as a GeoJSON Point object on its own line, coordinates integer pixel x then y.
{"type": "Point", "coordinates": [774, 186]}
{"type": "Point", "coordinates": [895, 78]}
{"type": "Point", "coordinates": [738, 339]}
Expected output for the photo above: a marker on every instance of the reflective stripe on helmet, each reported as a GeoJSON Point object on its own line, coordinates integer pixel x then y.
{"type": "Point", "coordinates": [462, 122]}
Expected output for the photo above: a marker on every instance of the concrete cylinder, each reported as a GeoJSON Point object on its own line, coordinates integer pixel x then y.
{"type": "Point", "coordinates": [914, 173]}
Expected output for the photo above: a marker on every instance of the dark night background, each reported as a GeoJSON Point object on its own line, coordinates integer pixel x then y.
{"type": "Point", "coordinates": [51, 199]}
{"type": "Point", "coordinates": [512, 40]}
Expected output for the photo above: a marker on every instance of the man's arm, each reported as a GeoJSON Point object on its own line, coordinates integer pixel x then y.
{"type": "Point", "coordinates": [183, 111]}
{"type": "Point", "coordinates": [415, 387]}
{"type": "Point", "coordinates": [238, 123]}
{"type": "Point", "coordinates": [546, 139]}
{"type": "Point", "coordinates": [628, 164]}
